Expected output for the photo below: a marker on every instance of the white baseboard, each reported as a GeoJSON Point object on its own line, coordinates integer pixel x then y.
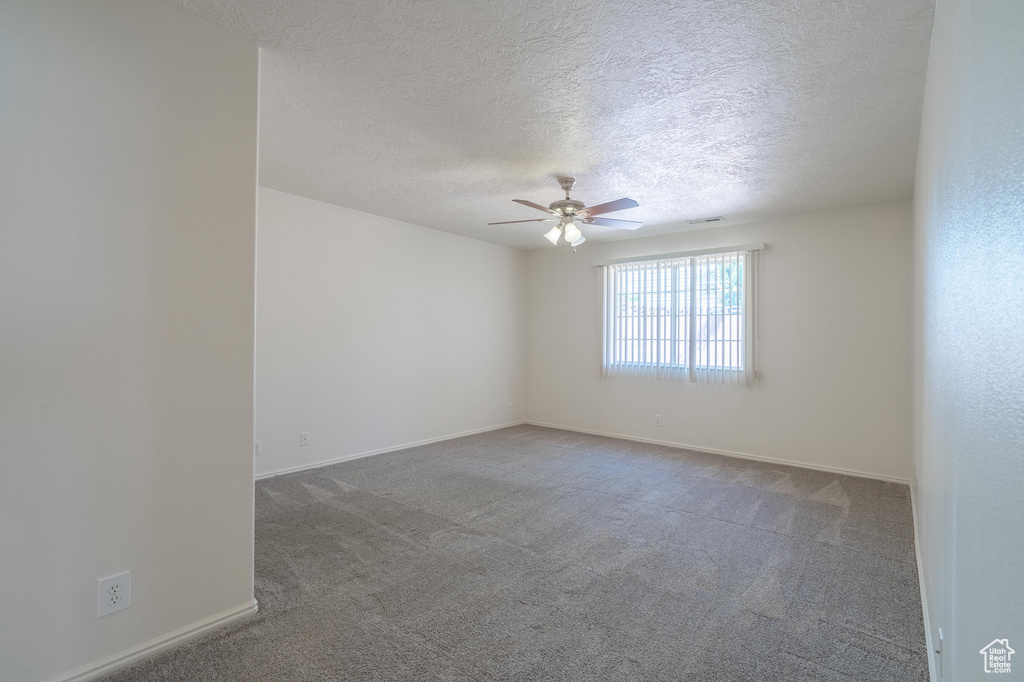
{"type": "Point", "coordinates": [105, 666]}
{"type": "Point", "coordinates": [395, 448]}
{"type": "Point", "coordinates": [729, 453]}
{"type": "Point", "coordinates": [682, 446]}
{"type": "Point", "coordinates": [933, 670]}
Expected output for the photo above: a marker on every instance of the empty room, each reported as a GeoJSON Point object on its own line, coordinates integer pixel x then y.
{"type": "Point", "coordinates": [436, 340]}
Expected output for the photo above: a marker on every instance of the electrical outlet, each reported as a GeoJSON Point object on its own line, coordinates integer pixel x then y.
{"type": "Point", "coordinates": [494, 408]}
{"type": "Point", "coordinates": [657, 420]}
{"type": "Point", "coordinates": [304, 438]}
{"type": "Point", "coordinates": [258, 448]}
{"type": "Point", "coordinates": [114, 594]}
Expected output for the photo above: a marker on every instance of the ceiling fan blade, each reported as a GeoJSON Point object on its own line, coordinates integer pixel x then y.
{"type": "Point", "coordinates": [610, 207]}
{"type": "Point", "coordinates": [534, 220]}
{"type": "Point", "coordinates": [613, 222]}
{"type": "Point", "coordinates": [524, 202]}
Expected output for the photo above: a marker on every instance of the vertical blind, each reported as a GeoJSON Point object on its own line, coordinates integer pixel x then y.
{"type": "Point", "coordinates": [688, 318]}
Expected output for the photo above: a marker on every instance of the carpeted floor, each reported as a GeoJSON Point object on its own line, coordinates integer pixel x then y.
{"type": "Point", "coordinates": [539, 554]}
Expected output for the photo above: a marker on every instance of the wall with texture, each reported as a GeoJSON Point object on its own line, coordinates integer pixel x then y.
{"type": "Point", "coordinates": [969, 215]}
{"type": "Point", "coordinates": [127, 224]}
{"type": "Point", "coordinates": [372, 333]}
{"type": "Point", "coordinates": [834, 346]}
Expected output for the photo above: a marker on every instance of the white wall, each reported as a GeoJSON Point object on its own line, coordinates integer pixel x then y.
{"type": "Point", "coordinates": [127, 221]}
{"type": "Point", "coordinates": [834, 347]}
{"type": "Point", "coordinates": [372, 333]}
{"type": "Point", "coordinates": [969, 449]}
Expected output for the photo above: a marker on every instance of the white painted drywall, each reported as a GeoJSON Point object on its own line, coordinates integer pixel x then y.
{"type": "Point", "coordinates": [834, 346]}
{"type": "Point", "coordinates": [372, 333]}
{"type": "Point", "coordinates": [127, 232]}
{"type": "Point", "coordinates": [969, 445]}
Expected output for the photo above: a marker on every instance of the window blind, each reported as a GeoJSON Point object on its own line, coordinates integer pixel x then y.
{"type": "Point", "coordinates": [684, 318]}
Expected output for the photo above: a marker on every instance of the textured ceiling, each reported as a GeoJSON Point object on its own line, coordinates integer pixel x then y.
{"type": "Point", "coordinates": [440, 113]}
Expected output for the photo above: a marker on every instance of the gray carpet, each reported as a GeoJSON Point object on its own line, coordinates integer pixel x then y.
{"type": "Point", "coordinates": [539, 554]}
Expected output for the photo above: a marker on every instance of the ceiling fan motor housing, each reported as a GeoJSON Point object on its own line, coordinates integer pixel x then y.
{"type": "Point", "coordinates": [567, 207]}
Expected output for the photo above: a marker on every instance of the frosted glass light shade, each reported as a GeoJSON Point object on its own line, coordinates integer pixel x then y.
{"type": "Point", "coordinates": [578, 241]}
{"type": "Point", "coordinates": [572, 233]}
{"type": "Point", "coordinates": [553, 234]}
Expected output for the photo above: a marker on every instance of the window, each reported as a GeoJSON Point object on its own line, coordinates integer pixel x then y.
{"type": "Point", "coordinates": [683, 317]}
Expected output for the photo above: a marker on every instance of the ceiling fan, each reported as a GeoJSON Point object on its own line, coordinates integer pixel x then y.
{"type": "Point", "coordinates": [569, 211]}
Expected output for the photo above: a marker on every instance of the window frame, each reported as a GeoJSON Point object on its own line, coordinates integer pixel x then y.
{"type": "Point", "coordinates": [691, 265]}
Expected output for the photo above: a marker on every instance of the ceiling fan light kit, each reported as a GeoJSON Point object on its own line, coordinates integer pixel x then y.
{"type": "Point", "coordinates": [553, 234]}
{"type": "Point", "coordinates": [567, 211]}
{"type": "Point", "coordinates": [572, 233]}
